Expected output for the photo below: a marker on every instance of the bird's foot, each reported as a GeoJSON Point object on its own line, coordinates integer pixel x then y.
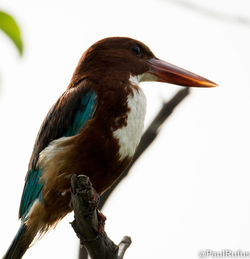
{"type": "Point", "coordinates": [101, 221]}
{"type": "Point", "coordinates": [95, 199]}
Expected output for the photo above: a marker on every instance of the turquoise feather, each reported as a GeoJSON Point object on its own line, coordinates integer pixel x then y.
{"type": "Point", "coordinates": [83, 114]}
{"type": "Point", "coordinates": [31, 192]}
{"type": "Point", "coordinates": [33, 187]}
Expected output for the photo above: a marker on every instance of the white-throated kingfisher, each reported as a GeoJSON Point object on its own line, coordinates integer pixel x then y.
{"type": "Point", "coordinates": [92, 129]}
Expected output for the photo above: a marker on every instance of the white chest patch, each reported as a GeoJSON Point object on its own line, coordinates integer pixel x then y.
{"type": "Point", "coordinates": [129, 136]}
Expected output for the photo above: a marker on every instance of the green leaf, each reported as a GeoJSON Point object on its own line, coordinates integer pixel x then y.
{"type": "Point", "coordinates": [10, 27]}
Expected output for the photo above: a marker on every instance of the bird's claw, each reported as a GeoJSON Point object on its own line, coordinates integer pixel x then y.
{"type": "Point", "coordinates": [95, 200]}
{"type": "Point", "coordinates": [101, 221]}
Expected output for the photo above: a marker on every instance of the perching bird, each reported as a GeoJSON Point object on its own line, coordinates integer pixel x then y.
{"type": "Point", "coordinates": [93, 129]}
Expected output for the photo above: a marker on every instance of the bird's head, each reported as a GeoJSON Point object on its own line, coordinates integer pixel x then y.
{"type": "Point", "coordinates": [122, 58]}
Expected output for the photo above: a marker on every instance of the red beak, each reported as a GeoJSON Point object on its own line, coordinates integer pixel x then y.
{"type": "Point", "coordinates": [166, 72]}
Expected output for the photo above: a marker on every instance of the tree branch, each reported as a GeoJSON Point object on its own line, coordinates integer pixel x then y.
{"type": "Point", "coordinates": [89, 222]}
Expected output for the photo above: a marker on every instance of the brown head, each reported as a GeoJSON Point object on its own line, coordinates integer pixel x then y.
{"type": "Point", "coordinates": [120, 58]}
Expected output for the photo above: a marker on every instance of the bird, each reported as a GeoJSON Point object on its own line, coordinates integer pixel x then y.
{"type": "Point", "coordinates": [93, 128]}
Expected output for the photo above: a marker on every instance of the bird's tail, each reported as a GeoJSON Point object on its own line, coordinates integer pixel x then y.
{"type": "Point", "coordinates": [21, 242]}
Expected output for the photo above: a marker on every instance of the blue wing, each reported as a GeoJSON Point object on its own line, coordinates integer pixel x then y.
{"type": "Point", "coordinates": [66, 118]}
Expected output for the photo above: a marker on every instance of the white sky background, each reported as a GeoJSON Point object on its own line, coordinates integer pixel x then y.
{"type": "Point", "coordinates": [190, 190]}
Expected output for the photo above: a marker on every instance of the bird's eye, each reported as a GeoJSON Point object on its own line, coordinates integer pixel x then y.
{"type": "Point", "coordinates": [136, 49]}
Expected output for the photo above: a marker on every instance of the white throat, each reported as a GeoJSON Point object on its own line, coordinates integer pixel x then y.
{"type": "Point", "coordinates": [129, 135]}
{"type": "Point", "coordinates": [145, 77]}
{"type": "Point", "coordinates": [135, 80]}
